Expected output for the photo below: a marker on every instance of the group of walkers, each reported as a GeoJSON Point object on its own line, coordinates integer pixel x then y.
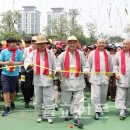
{"type": "Point", "coordinates": [45, 69]}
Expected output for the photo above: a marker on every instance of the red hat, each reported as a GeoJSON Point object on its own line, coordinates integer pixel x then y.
{"type": "Point", "coordinates": [62, 43]}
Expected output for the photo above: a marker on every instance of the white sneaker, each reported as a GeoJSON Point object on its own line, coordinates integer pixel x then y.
{"type": "Point", "coordinates": [56, 106]}
{"type": "Point", "coordinates": [34, 103]}
{"type": "Point", "coordinates": [50, 120]}
{"type": "Point", "coordinates": [102, 113]}
{"type": "Point", "coordinates": [39, 119]}
{"type": "Point", "coordinates": [126, 112]}
{"type": "Point", "coordinates": [122, 114]}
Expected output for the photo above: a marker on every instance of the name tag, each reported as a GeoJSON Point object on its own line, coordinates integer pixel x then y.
{"type": "Point", "coordinates": [49, 76]}
{"type": "Point", "coordinates": [22, 78]}
{"type": "Point", "coordinates": [72, 68]}
{"type": "Point", "coordinates": [7, 67]}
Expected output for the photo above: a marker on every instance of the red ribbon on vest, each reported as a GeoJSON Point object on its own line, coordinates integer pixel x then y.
{"type": "Point", "coordinates": [97, 60]}
{"type": "Point", "coordinates": [30, 50]}
{"type": "Point", "coordinates": [123, 65]}
{"type": "Point", "coordinates": [13, 57]}
{"type": "Point", "coordinates": [67, 63]}
{"type": "Point", "coordinates": [46, 62]}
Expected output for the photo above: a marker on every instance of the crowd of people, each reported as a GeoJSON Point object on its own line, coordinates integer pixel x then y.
{"type": "Point", "coordinates": [45, 69]}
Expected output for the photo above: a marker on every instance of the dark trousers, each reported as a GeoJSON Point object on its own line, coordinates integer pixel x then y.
{"type": "Point", "coordinates": [0, 79]}
{"type": "Point", "coordinates": [88, 84]}
{"type": "Point", "coordinates": [1, 94]}
{"type": "Point", "coordinates": [27, 87]}
{"type": "Point", "coordinates": [112, 87]}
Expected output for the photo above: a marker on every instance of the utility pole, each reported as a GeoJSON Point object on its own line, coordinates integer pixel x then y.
{"type": "Point", "coordinates": [73, 14]}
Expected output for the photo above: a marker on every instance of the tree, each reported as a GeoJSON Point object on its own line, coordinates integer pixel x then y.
{"type": "Point", "coordinates": [58, 28]}
{"type": "Point", "coordinates": [127, 29]}
{"type": "Point", "coordinates": [92, 29]}
{"type": "Point", "coordinates": [9, 21]}
{"type": "Point", "coordinates": [77, 30]}
{"type": "Point", "coordinates": [4, 36]}
{"type": "Point", "coordinates": [63, 28]}
{"type": "Point", "coordinates": [115, 39]}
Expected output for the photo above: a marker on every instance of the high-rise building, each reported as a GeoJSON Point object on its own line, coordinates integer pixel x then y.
{"type": "Point", "coordinates": [30, 20]}
{"type": "Point", "coordinates": [57, 14]}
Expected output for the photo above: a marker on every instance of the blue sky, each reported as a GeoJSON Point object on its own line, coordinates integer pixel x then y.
{"type": "Point", "coordinates": [90, 11]}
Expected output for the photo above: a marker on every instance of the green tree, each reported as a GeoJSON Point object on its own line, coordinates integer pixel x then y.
{"type": "Point", "coordinates": [77, 30]}
{"type": "Point", "coordinates": [4, 36]}
{"type": "Point", "coordinates": [114, 39]}
{"type": "Point", "coordinates": [9, 21]}
{"type": "Point", "coordinates": [92, 29]}
{"type": "Point", "coordinates": [64, 29]}
{"type": "Point", "coordinates": [127, 29]}
{"type": "Point", "coordinates": [58, 27]}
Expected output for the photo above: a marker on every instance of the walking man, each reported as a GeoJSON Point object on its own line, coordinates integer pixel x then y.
{"type": "Point", "coordinates": [44, 62]}
{"type": "Point", "coordinates": [100, 65]}
{"type": "Point", "coordinates": [10, 57]}
{"type": "Point", "coordinates": [72, 61]}
{"type": "Point", "coordinates": [122, 70]}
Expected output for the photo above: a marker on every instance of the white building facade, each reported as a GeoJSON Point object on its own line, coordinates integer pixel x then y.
{"type": "Point", "coordinates": [30, 20]}
{"type": "Point", "coordinates": [57, 15]}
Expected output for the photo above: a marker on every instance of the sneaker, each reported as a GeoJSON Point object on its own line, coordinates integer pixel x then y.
{"type": "Point", "coordinates": [39, 119]}
{"type": "Point", "coordinates": [34, 103]}
{"type": "Point", "coordinates": [126, 112]}
{"type": "Point", "coordinates": [6, 111]}
{"type": "Point", "coordinates": [97, 115]}
{"type": "Point", "coordinates": [56, 106]}
{"type": "Point", "coordinates": [50, 120]}
{"type": "Point", "coordinates": [102, 113]}
{"type": "Point", "coordinates": [26, 104]}
{"type": "Point", "coordinates": [12, 106]}
{"type": "Point", "coordinates": [122, 114]}
{"type": "Point", "coordinates": [122, 118]}
{"type": "Point", "coordinates": [113, 99]}
{"type": "Point", "coordinates": [78, 123]}
{"type": "Point", "coordinates": [69, 117]}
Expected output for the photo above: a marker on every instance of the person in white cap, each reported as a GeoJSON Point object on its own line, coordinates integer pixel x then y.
{"type": "Point", "coordinates": [42, 62]}
{"type": "Point", "coordinates": [100, 65]}
{"type": "Point", "coordinates": [122, 70]}
{"type": "Point", "coordinates": [27, 82]}
{"type": "Point", "coordinates": [31, 48]}
{"type": "Point", "coordinates": [72, 61]}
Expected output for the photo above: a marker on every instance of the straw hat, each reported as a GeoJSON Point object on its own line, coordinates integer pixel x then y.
{"type": "Point", "coordinates": [70, 38]}
{"type": "Point", "coordinates": [34, 38]}
{"type": "Point", "coordinates": [41, 39]}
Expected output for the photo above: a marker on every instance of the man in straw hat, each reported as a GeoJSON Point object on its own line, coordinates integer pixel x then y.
{"type": "Point", "coordinates": [42, 62]}
{"type": "Point", "coordinates": [72, 61]}
{"type": "Point", "coordinates": [122, 70]}
{"type": "Point", "coordinates": [100, 65]}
